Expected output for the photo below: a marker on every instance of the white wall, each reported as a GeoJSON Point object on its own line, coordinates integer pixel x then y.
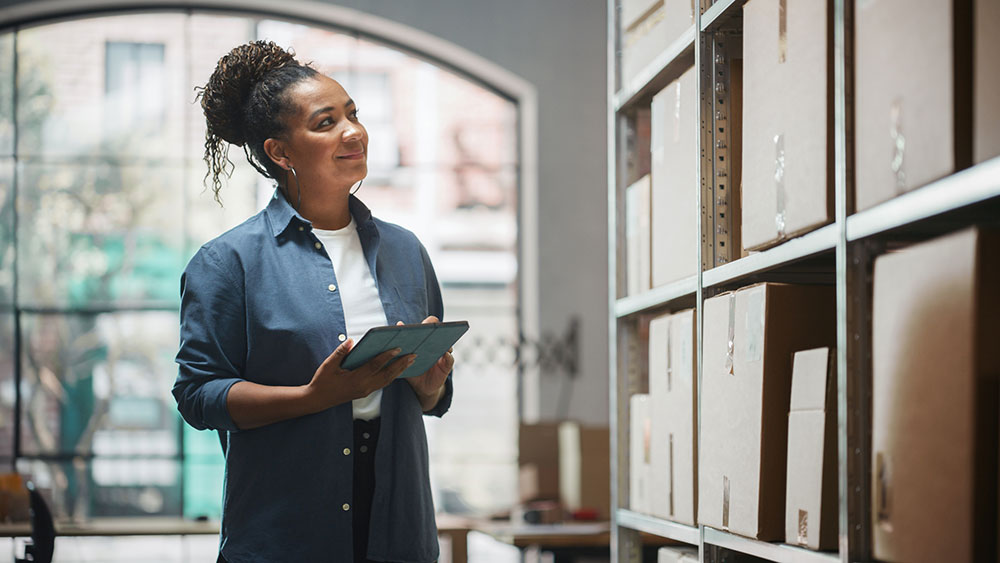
{"type": "Point", "coordinates": [559, 46]}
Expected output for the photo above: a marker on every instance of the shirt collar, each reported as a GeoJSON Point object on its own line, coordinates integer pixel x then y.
{"type": "Point", "coordinates": [281, 214]}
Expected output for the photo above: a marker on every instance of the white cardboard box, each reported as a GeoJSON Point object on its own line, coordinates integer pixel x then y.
{"type": "Point", "coordinates": [637, 236]}
{"type": "Point", "coordinates": [674, 175]}
{"type": "Point", "coordinates": [640, 462]}
{"type": "Point", "coordinates": [646, 38]}
{"type": "Point", "coordinates": [673, 398]}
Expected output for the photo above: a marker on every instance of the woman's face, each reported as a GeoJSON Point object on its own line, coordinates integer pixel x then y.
{"type": "Point", "coordinates": [324, 140]}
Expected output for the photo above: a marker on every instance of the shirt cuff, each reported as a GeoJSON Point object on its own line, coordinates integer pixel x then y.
{"type": "Point", "coordinates": [444, 403]}
{"type": "Point", "coordinates": [214, 407]}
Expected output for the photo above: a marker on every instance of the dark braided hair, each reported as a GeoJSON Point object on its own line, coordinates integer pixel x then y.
{"type": "Point", "coordinates": [245, 102]}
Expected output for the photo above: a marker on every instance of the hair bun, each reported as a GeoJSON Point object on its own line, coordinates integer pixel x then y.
{"type": "Point", "coordinates": [224, 97]}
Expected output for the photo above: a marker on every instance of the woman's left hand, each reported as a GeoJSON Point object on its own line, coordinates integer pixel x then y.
{"type": "Point", "coordinates": [429, 387]}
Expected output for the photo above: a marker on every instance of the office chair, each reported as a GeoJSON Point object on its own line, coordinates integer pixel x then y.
{"type": "Point", "coordinates": [43, 531]}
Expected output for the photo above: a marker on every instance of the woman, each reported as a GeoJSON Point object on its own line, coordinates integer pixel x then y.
{"type": "Point", "coordinates": [265, 304]}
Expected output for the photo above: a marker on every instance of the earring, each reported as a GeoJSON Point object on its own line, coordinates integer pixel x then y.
{"type": "Point", "coordinates": [358, 188]}
{"type": "Point", "coordinates": [298, 187]}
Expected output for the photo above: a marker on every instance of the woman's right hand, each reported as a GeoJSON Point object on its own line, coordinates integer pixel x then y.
{"type": "Point", "coordinates": [332, 385]}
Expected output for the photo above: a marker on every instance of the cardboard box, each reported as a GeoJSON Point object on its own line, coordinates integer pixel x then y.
{"type": "Point", "coordinates": [677, 555]}
{"type": "Point", "coordinates": [811, 509]}
{"type": "Point", "coordinates": [645, 38]}
{"type": "Point", "coordinates": [674, 176]}
{"type": "Point", "coordinates": [635, 10]}
{"type": "Point", "coordinates": [673, 399]}
{"type": "Point", "coordinates": [913, 94]}
{"type": "Point", "coordinates": [640, 462]}
{"type": "Point", "coordinates": [935, 400]}
{"type": "Point", "coordinates": [787, 119]}
{"type": "Point", "coordinates": [637, 236]}
{"type": "Point", "coordinates": [585, 468]}
{"type": "Point", "coordinates": [986, 125]}
{"type": "Point", "coordinates": [565, 462]}
{"type": "Point", "coordinates": [745, 396]}
{"type": "Point", "coordinates": [538, 461]}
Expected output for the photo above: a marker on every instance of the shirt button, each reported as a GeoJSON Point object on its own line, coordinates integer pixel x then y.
{"type": "Point", "coordinates": [301, 228]}
{"type": "Point", "coordinates": [346, 507]}
{"type": "Point", "coordinates": [364, 449]}
{"type": "Point", "coordinates": [332, 287]}
{"type": "Point", "coordinates": [342, 337]}
{"type": "Point", "coordinates": [367, 435]}
{"type": "Point", "coordinates": [347, 451]}
{"type": "Point", "coordinates": [319, 246]}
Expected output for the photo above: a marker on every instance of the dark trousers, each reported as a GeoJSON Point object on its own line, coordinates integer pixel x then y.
{"type": "Point", "coordinates": [365, 441]}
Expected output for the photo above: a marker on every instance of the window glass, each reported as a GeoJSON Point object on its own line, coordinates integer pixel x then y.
{"type": "Point", "coordinates": [112, 201]}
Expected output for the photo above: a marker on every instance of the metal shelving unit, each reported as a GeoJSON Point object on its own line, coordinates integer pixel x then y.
{"type": "Point", "coordinates": [658, 526]}
{"type": "Point", "coordinates": [664, 296]}
{"type": "Point", "coordinates": [840, 253]}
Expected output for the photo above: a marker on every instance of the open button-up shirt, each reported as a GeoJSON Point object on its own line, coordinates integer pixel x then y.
{"type": "Point", "coordinates": [259, 303]}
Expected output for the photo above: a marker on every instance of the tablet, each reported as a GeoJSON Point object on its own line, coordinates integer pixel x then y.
{"type": "Point", "coordinates": [428, 341]}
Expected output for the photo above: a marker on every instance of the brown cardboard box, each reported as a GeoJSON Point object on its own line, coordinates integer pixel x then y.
{"type": "Point", "coordinates": [538, 461]}
{"type": "Point", "coordinates": [674, 146]}
{"type": "Point", "coordinates": [787, 119]}
{"type": "Point", "coordinates": [913, 89]}
{"type": "Point", "coordinates": [811, 494]}
{"type": "Point", "coordinates": [566, 462]}
{"type": "Point", "coordinates": [677, 555]}
{"type": "Point", "coordinates": [745, 398]}
{"type": "Point", "coordinates": [585, 468]}
{"type": "Point", "coordinates": [640, 441]}
{"type": "Point", "coordinates": [987, 81]}
{"type": "Point", "coordinates": [673, 399]}
{"type": "Point", "coordinates": [637, 236]}
{"type": "Point", "coordinates": [656, 29]}
{"type": "Point", "coordinates": [935, 400]}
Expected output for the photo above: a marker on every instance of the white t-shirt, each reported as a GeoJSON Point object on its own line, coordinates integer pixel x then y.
{"type": "Point", "coordinates": [359, 295]}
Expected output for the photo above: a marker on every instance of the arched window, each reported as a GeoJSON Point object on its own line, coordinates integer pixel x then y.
{"type": "Point", "coordinates": [103, 203]}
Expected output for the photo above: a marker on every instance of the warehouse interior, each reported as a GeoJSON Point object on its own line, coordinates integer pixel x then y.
{"type": "Point", "coordinates": [727, 265]}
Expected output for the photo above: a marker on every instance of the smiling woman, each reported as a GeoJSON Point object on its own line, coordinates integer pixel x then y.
{"type": "Point", "coordinates": [270, 309]}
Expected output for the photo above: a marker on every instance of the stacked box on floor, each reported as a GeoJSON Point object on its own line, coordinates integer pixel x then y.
{"type": "Point", "coordinates": [787, 119]}
{"type": "Point", "coordinates": [935, 400]}
{"type": "Point", "coordinates": [749, 338]}
{"type": "Point", "coordinates": [673, 399]}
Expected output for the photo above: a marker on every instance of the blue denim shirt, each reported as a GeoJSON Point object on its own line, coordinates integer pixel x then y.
{"type": "Point", "coordinates": [256, 305]}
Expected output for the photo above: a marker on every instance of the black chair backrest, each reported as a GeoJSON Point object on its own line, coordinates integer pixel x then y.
{"type": "Point", "coordinates": [43, 530]}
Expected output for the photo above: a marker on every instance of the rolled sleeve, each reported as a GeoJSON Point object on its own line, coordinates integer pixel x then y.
{"type": "Point", "coordinates": [212, 342]}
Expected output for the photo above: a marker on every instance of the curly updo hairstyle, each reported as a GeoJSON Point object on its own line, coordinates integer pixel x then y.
{"type": "Point", "coordinates": [245, 102]}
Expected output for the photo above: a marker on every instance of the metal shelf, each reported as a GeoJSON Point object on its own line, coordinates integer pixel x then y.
{"type": "Point", "coordinates": [719, 13]}
{"type": "Point", "coordinates": [972, 185]}
{"type": "Point", "coordinates": [657, 297]}
{"type": "Point", "coordinates": [821, 240]}
{"type": "Point", "coordinates": [656, 75]}
{"type": "Point", "coordinates": [658, 526]}
{"type": "Point", "coordinates": [780, 553]}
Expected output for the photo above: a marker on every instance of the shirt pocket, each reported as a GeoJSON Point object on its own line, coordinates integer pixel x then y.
{"type": "Point", "coordinates": [412, 300]}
